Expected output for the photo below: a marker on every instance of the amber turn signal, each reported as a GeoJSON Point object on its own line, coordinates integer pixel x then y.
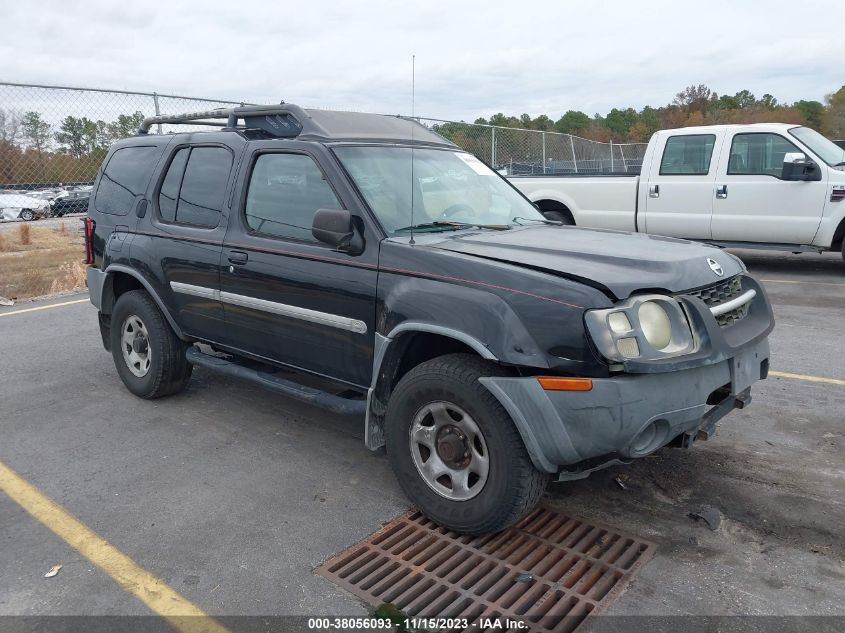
{"type": "Point", "coordinates": [554, 383]}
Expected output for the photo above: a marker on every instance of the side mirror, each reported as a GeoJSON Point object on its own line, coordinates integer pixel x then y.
{"type": "Point", "coordinates": [796, 166]}
{"type": "Point", "coordinates": [336, 228]}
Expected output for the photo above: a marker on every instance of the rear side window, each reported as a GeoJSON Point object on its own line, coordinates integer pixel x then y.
{"type": "Point", "coordinates": [169, 194]}
{"type": "Point", "coordinates": [195, 185]}
{"type": "Point", "coordinates": [285, 190]}
{"type": "Point", "coordinates": [687, 155]}
{"type": "Point", "coordinates": [126, 176]}
{"type": "Point", "coordinates": [758, 154]}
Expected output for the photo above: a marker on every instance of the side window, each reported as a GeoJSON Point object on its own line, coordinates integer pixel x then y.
{"type": "Point", "coordinates": [194, 187]}
{"type": "Point", "coordinates": [687, 155]}
{"type": "Point", "coordinates": [285, 190]}
{"type": "Point", "coordinates": [759, 154]}
{"type": "Point", "coordinates": [169, 194]}
{"type": "Point", "coordinates": [204, 186]}
{"type": "Point", "coordinates": [126, 176]}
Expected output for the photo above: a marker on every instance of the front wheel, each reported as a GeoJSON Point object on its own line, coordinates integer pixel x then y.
{"type": "Point", "coordinates": [456, 451]}
{"type": "Point", "coordinates": [148, 355]}
{"type": "Point", "coordinates": [28, 215]}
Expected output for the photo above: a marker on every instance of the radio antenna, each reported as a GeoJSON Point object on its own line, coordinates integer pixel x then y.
{"type": "Point", "coordinates": [413, 95]}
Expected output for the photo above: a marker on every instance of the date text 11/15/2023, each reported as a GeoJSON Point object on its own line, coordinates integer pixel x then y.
{"type": "Point", "coordinates": [415, 624]}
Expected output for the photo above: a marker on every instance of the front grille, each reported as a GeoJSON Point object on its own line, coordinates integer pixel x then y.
{"type": "Point", "coordinates": [721, 292]}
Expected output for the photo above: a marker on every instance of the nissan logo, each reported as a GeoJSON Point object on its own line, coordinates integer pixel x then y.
{"type": "Point", "coordinates": [715, 266]}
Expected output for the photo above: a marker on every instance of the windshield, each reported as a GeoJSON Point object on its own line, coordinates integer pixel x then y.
{"type": "Point", "coordinates": [821, 146]}
{"type": "Point", "coordinates": [447, 187]}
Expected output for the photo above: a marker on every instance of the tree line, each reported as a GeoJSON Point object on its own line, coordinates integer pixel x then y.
{"type": "Point", "coordinates": [695, 105]}
{"type": "Point", "coordinates": [32, 150]}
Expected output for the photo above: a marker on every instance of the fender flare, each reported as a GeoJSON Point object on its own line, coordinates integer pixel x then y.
{"type": "Point", "coordinates": [373, 429]}
{"type": "Point", "coordinates": [119, 268]}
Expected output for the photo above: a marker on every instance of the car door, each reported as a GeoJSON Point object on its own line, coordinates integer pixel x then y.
{"type": "Point", "coordinates": [187, 228]}
{"type": "Point", "coordinates": [679, 201]}
{"type": "Point", "coordinates": [751, 201]}
{"type": "Point", "coordinates": [287, 297]}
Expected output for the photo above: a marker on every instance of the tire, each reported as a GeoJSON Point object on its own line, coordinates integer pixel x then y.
{"type": "Point", "coordinates": [843, 249]}
{"type": "Point", "coordinates": [158, 366]}
{"type": "Point", "coordinates": [511, 484]}
{"type": "Point", "coordinates": [27, 215]}
{"type": "Point", "coordinates": [559, 216]}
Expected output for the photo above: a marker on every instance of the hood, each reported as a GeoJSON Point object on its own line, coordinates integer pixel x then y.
{"type": "Point", "coordinates": [619, 263]}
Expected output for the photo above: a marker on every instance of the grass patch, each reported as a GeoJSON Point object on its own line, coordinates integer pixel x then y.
{"type": "Point", "coordinates": [40, 261]}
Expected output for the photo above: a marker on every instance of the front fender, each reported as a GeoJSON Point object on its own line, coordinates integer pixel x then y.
{"type": "Point", "coordinates": [476, 317]}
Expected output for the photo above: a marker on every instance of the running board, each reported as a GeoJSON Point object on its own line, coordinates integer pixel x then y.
{"type": "Point", "coordinates": [322, 399]}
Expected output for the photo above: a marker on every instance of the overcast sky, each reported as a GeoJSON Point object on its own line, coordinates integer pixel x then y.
{"type": "Point", "coordinates": [472, 58]}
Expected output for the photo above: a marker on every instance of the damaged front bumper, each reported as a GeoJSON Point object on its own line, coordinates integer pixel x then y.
{"type": "Point", "coordinates": [627, 416]}
{"type": "Point", "coordinates": [651, 403]}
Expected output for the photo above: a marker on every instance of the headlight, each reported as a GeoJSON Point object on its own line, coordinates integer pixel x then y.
{"type": "Point", "coordinates": [647, 327]}
{"type": "Point", "coordinates": [655, 324]}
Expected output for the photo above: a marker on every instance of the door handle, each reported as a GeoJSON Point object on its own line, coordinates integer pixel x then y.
{"type": "Point", "coordinates": [722, 191]}
{"type": "Point", "coordinates": [239, 258]}
{"type": "Point", "coordinates": [654, 191]}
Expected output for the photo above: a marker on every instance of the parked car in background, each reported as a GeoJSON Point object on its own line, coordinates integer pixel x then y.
{"type": "Point", "coordinates": [766, 185]}
{"type": "Point", "coordinates": [72, 201]}
{"type": "Point", "coordinates": [21, 207]}
{"type": "Point", "coordinates": [45, 194]}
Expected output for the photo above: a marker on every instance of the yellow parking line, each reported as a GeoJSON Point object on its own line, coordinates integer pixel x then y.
{"type": "Point", "coordinates": [132, 578]}
{"type": "Point", "coordinates": [802, 282]}
{"type": "Point", "coordinates": [827, 381]}
{"type": "Point", "coordinates": [52, 305]}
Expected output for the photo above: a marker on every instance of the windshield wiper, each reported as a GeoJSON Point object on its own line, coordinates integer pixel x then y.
{"type": "Point", "coordinates": [454, 226]}
{"type": "Point", "coordinates": [842, 164]}
{"type": "Point", "coordinates": [517, 219]}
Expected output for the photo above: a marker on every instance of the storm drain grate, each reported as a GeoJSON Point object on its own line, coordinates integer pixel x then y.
{"type": "Point", "coordinates": [549, 571]}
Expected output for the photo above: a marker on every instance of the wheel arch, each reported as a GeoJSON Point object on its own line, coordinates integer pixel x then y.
{"type": "Point", "coordinates": [838, 236]}
{"type": "Point", "coordinates": [548, 205]}
{"type": "Point", "coordinates": [409, 344]}
{"type": "Point", "coordinates": [121, 279]}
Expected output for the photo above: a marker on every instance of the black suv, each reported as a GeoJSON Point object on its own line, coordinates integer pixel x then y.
{"type": "Point", "coordinates": [488, 348]}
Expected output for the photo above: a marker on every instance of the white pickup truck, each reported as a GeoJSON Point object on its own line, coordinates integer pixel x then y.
{"type": "Point", "coordinates": [766, 185]}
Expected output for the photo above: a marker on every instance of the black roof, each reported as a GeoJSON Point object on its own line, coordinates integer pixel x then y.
{"type": "Point", "coordinates": [290, 121]}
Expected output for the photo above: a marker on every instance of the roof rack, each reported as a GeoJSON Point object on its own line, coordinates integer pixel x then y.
{"type": "Point", "coordinates": [287, 120]}
{"type": "Point", "coordinates": [283, 120]}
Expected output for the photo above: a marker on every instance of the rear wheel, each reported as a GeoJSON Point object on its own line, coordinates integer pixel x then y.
{"type": "Point", "coordinates": [456, 451]}
{"type": "Point", "coordinates": [148, 355]}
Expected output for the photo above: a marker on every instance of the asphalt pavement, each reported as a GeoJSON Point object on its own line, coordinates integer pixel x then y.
{"type": "Point", "coordinates": [232, 495]}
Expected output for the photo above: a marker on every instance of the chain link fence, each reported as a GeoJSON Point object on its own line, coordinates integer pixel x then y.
{"type": "Point", "coordinates": [521, 152]}
{"type": "Point", "coordinates": [53, 138]}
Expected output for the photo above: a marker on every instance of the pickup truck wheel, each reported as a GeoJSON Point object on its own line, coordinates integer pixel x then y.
{"type": "Point", "coordinates": [456, 451]}
{"type": "Point", "coordinates": [148, 355]}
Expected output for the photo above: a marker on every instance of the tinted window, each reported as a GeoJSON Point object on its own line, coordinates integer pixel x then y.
{"type": "Point", "coordinates": [758, 154]}
{"type": "Point", "coordinates": [687, 155]}
{"type": "Point", "coordinates": [125, 177]}
{"type": "Point", "coordinates": [203, 186]}
{"type": "Point", "coordinates": [169, 194]}
{"type": "Point", "coordinates": [285, 190]}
